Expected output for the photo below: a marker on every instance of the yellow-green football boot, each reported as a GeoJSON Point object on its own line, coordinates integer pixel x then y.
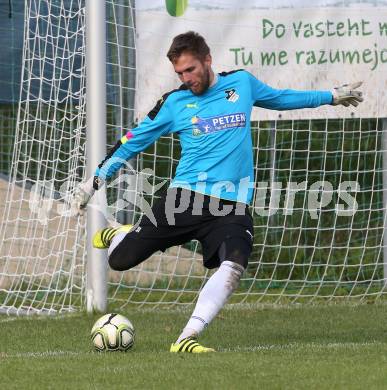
{"type": "Point", "coordinates": [103, 238]}
{"type": "Point", "coordinates": [190, 345]}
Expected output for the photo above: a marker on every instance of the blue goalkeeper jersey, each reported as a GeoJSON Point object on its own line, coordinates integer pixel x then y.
{"type": "Point", "coordinates": [214, 131]}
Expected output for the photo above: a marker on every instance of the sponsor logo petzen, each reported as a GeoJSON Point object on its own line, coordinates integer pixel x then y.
{"type": "Point", "coordinates": [203, 126]}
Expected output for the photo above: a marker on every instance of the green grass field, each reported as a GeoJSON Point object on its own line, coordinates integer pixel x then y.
{"type": "Point", "coordinates": [296, 347]}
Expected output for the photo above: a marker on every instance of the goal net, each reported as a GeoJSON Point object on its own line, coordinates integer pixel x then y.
{"type": "Point", "coordinates": [319, 200]}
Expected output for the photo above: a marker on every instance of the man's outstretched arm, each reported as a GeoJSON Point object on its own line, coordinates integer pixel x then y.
{"type": "Point", "coordinates": [288, 99]}
{"type": "Point", "coordinates": [157, 123]}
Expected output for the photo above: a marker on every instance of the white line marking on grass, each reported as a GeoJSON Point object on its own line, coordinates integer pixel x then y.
{"type": "Point", "coordinates": [311, 346]}
{"type": "Point", "coordinates": [4, 355]}
{"type": "Point", "coordinates": [36, 317]}
{"type": "Point", "coordinates": [8, 319]}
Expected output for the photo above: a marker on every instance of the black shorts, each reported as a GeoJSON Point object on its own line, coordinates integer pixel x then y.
{"type": "Point", "coordinates": [196, 221]}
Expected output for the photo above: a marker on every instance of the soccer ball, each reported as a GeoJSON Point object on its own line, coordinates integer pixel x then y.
{"type": "Point", "coordinates": [112, 332]}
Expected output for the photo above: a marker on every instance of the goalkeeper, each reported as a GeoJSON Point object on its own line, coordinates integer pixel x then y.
{"type": "Point", "coordinates": [208, 198]}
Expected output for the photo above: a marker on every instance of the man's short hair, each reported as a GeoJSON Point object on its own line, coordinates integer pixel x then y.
{"type": "Point", "coordinates": [190, 42]}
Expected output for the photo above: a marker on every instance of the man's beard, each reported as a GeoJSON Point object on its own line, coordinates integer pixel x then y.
{"type": "Point", "coordinates": [205, 84]}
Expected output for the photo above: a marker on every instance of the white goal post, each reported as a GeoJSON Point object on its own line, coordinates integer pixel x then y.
{"type": "Point", "coordinates": [320, 198]}
{"type": "Point", "coordinates": [95, 149]}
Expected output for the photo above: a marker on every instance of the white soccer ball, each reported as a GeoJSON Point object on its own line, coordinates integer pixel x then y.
{"type": "Point", "coordinates": [112, 332]}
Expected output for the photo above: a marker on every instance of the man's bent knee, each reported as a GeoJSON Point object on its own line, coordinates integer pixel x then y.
{"type": "Point", "coordinates": [127, 255]}
{"type": "Point", "coordinates": [235, 249]}
{"type": "Point", "coordinates": [122, 260]}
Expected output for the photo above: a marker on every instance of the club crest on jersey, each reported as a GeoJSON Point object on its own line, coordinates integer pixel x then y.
{"type": "Point", "coordinates": [203, 126]}
{"type": "Point", "coordinates": [231, 95]}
